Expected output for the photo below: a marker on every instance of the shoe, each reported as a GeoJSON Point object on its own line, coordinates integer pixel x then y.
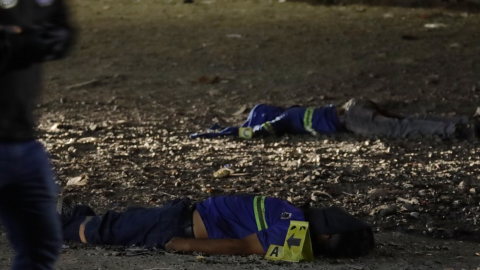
{"type": "Point", "coordinates": [469, 131]}
{"type": "Point", "coordinates": [476, 126]}
{"type": "Point", "coordinates": [65, 207]}
{"type": "Point", "coordinates": [477, 113]}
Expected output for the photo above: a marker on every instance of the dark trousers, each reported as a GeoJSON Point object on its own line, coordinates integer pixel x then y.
{"type": "Point", "coordinates": [27, 205]}
{"type": "Point", "coordinates": [149, 227]}
{"type": "Point", "coordinates": [364, 117]}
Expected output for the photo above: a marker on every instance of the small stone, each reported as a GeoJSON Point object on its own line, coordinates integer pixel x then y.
{"type": "Point", "coordinates": [384, 210]}
{"type": "Point", "coordinates": [415, 214]}
{"type": "Point", "coordinates": [429, 263]}
{"type": "Point", "coordinates": [408, 186]}
{"type": "Point", "coordinates": [472, 191]}
{"type": "Point", "coordinates": [463, 186]}
{"type": "Point", "coordinates": [377, 192]}
{"type": "Point", "coordinates": [409, 207]}
{"type": "Point", "coordinates": [307, 179]}
{"type": "Point", "coordinates": [413, 201]}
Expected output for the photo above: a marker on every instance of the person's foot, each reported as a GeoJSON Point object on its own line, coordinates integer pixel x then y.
{"type": "Point", "coordinates": [469, 131]}
{"type": "Point", "coordinates": [476, 126]}
{"type": "Point", "coordinates": [65, 207]}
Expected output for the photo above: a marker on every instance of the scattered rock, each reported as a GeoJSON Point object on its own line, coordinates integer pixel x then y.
{"type": "Point", "coordinates": [411, 201]}
{"type": "Point", "coordinates": [78, 181]}
{"type": "Point", "coordinates": [87, 140]}
{"type": "Point", "coordinates": [222, 173]}
{"type": "Point", "coordinates": [409, 207]}
{"type": "Point", "coordinates": [415, 214]}
{"type": "Point", "coordinates": [463, 186]}
{"type": "Point", "coordinates": [422, 192]}
{"type": "Point", "coordinates": [240, 110]}
{"type": "Point", "coordinates": [384, 210]}
{"type": "Point", "coordinates": [54, 127]}
{"type": "Point", "coordinates": [435, 25]}
{"type": "Point", "coordinates": [377, 192]}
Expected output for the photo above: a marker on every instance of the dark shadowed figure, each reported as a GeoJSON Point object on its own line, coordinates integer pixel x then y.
{"type": "Point", "coordinates": [31, 32]}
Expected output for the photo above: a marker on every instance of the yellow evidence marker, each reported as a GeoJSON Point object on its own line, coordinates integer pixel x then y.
{"type": "Point", "coordinates": [245, 133]}
{"type": "Point", "coordinates": [297, 246]}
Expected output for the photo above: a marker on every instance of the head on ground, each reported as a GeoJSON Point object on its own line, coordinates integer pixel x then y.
{"type": "Point", "coordinates": [336, 233]}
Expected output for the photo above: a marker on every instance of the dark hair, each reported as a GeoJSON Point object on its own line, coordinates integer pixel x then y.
{"type": "Point", "coordinates": [348, 236]}
{"type": "Point", "coordinates": [349, 244]}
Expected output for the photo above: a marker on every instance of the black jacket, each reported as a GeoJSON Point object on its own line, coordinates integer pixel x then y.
{"type": "Point", "coordinates": [31, 32]}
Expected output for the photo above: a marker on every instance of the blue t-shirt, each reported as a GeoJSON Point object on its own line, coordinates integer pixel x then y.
{"type": "Point", "coordinates": [233, 217]}
{"type": "Point", "coordinates": [323, 120]}
{"type": "Point", "coordinates": [262, 113]}
{"type": "Point", "coordinates": [267, 119]}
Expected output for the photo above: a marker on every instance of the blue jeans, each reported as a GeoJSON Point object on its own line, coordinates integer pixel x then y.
{"type": "Point", "coordinates": [149, 227]}
{"type": "Point", "coordinates": [27, 205]}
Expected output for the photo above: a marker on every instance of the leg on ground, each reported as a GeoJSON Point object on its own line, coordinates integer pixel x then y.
{"type": "Point", "coordinates": [364, 117]}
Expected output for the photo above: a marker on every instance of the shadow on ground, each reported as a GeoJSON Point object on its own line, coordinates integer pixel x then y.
{"type": "Point", "coordinates": [460, 5]}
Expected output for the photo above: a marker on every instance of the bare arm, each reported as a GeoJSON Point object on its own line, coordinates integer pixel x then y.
{"type": "Point", "coordinates": [245, 246]}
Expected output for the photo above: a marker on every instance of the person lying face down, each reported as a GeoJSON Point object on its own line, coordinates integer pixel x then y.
{"type": "Point", "coordinates": [231, 225]}
{"type": "Point", "coordinates": [358, 116]}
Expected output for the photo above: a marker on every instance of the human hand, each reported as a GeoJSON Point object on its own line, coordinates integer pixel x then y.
{"type": "Point", "coordinates": [54, 41]}
{"type": "Point", "coordinates": [12, 29]}
{"type": "Point", "coordinates": [176, 244]}
{"type": "Point", "coordinates": [44, 42]}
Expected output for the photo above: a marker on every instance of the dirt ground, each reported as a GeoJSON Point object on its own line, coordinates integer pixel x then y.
{"type": "Point", "coordinates": [147, 73]}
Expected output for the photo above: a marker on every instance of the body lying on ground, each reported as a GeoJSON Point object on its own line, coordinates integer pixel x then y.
{"type": "Point", "coordinates": [231, 225]}
{"type": "Point", "coordinates": [358, 116]}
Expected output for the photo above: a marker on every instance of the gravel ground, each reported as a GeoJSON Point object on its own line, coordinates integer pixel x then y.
{"type": "Point", "coordinates": [147, 73]}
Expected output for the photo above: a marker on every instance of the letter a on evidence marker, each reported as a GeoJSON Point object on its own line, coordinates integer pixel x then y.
{"type": "Point", "coordinates": [274, 253]}
{"type": "Point", "coordinates": [298, 245]}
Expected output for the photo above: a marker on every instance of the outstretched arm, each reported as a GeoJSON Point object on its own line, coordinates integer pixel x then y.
{"type": "Point", "coordinates": [245, 246]}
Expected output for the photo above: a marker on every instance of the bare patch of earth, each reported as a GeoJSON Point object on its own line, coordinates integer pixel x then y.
{"type": "Point", "coordinates": [147, 73]}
